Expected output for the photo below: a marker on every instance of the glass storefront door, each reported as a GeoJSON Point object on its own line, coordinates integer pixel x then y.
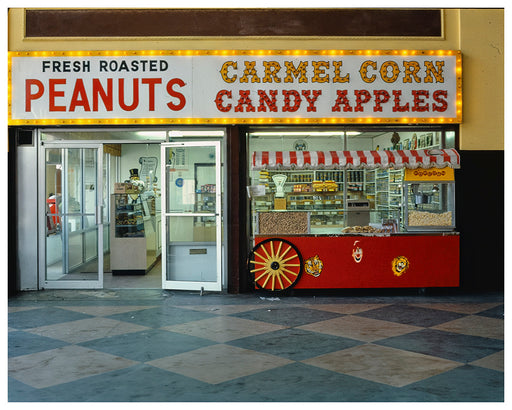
{"type": "Point", "coordinates": [72, 186]}
{"type": "Point", "coordinates": [191, 216]}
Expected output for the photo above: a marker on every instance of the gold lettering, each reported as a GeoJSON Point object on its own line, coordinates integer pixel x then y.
{"type": "Point", "coordinates": [291, 70]}
{"type": "Point", "coordinates": [250, 71]}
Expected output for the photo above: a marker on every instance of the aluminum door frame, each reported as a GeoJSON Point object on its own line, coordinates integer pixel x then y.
{"type": "Point", "coordinates": [191, 285]}
{"type": "Point", "coordinates": [69, 284]}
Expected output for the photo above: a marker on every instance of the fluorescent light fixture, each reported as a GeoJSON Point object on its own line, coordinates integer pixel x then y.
{"type": "Point", "coordinates": [158, 135]}
{"type": "Point", "coordinates": [196, 133]}
{"type": "Point", "coordinates": [304, 133]}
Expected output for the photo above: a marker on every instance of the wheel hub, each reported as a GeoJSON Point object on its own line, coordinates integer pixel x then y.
{"type": "Point", "coordinates": [274, 265]}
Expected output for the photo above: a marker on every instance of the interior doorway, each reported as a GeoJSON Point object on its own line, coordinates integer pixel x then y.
{"type": "Point", "coordinates": [134, 257]}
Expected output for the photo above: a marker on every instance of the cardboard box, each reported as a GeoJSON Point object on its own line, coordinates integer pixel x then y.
{"type": "Point", "coordinates": [125, 188]}
{"type": "Point", "coordinates": [119, 188]}
{"type": "Point", "coordinates": [280, 203]}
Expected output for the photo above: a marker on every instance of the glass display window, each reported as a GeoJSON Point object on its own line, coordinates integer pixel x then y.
{"type": "Point", "coordinates": [315, 181]}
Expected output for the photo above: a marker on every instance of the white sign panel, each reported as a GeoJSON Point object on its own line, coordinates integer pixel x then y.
{"type": "Point", "coordinates": [235, 87]}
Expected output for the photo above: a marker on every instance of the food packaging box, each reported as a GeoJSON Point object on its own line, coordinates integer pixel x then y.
{"type": "Point", "coordinates": [280, 203]}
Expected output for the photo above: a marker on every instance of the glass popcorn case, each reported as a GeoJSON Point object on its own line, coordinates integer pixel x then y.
{"type": "Point", "coordinates": [429, 200]}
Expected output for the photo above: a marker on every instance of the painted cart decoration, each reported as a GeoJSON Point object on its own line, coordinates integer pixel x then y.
{"type": "Point", "coordinates": [417, 258]}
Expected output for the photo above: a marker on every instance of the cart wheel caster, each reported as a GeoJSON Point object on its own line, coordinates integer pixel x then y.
{"type": "Point", "coordinates": [275, 264]}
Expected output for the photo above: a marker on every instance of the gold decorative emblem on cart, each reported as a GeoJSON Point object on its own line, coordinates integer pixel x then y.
{"type": "Point", "coordinates": [399, 265]}
{"type": "Point", "coordinates": [357, 252]}
{"type": "Point", "coordinates": [313, 266]}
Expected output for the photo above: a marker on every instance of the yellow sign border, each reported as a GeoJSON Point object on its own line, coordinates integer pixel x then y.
{"type": "Point", "coordinates": [249, 121]}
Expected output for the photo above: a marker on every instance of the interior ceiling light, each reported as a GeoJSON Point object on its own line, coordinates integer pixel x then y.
{"type": "Point", "coordinates": [304, 133]}
{"type": "Point", "coordinates": [196, 133]}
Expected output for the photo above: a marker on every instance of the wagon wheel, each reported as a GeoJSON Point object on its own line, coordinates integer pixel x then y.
{"type": "Point", "coordinates": [276, 264]}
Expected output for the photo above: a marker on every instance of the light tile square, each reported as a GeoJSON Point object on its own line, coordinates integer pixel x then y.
{"type": "Point", "coordinates": [360, 328]}
{"type": "Point", "coordinates": [104, 310]}
{"type": "Point", "coordinates": [13, 309]}
{"type": "Point", "coordinates": [494, 361]}
{"type": "Point", "coordinates": [381, 364]}
{"type": "Point", "coordinates": [346, 308]}
{"type": "Point", "coordinates": [86, 329]}
{"type": "Point", "coordinates": [466, 308]}
{"type": "Point", "coordinates": [63, 365]}
{"type": "Point", "coordinates": [219, 363]}
{"type": "Point", "coordinates": [223, 309]}
{"type": "Point", "coordinates": [223, 328]}
{"type": "Point", "coordinates": [475, 326]}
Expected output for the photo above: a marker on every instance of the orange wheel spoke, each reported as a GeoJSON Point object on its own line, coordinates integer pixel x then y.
{"type": "Point", "coordinates": [261, 256]}
{"type": "Point", "coordinates": [266, 280]}
{"type": "Point", "coordinates": [290, 258]}
{"type": "Point", "coordinates": [286, 277]}
{"type": "Point", "coordinates": [258, 269]}
{"type": "Point", "coordinates": [263, 274]}
{"type": "Point", "coordinates": [289, 271]}
{"type": "Point", "coordinates": [273, 282]}
{"type": "Point", "coordinates": [266, 253]}
{"type": "Point", "coordinates": [279, 248]}
{"type": "Point", "coordinates": [279, 280]}
{"type": "Point", "coordinates": [258, 262]}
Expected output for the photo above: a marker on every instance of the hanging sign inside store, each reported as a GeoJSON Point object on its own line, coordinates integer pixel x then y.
{"type": "Point", "coordinates": [228, 87]}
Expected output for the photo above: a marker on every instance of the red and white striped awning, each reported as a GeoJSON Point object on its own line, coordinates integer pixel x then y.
{"type": "Point", "coordinates": [426, 158]}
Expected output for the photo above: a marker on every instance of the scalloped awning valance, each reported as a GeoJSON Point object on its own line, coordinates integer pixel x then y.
{"type": "Point", "coordinates": [427, 158]}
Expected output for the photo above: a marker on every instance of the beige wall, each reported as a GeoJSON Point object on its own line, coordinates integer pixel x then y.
{"type": "Point", "coordinates": [478, 33]}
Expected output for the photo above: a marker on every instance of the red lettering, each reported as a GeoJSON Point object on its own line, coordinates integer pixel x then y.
{"type": "Point", "coordinates": [151, 82]}
{"type": "Point", "coordinates": [176, 94]}
{"type": "Point", "coordinates": [244, 100]}
{"type": "Point", "coordinates": [79, 97]}
{"type": "Point", "coordinates": [106, 97]}
{"type": "Point", "coordinates": [341, 99]}
{"type": "Point", "coordinates": [29, 95]}
{"type": "Point", "coordinates": [54, 93]}
{"type": "Point", "coordinates": [219, 102]}
{"type": "Point", "coordinates": [311, 101]}
{"type": "Point", "coordinates": [438, 97]}
{"type": "Point", "coordinates": [271, 102]}
{"type": "Point", "coordinates": [297, 100]}
{"type": "Point", "coordinates": [362, 97]}
{"type": "Point", "coordinates": [381, 97]}
{"type": "Point", "coordinates": [135, 101]}
{"type": "Point", "coordinates": [397, 107]}
{"type": "Point", "coordinates": [419, 100]}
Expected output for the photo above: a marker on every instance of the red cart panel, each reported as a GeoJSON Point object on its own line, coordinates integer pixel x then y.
{"type": "Point", "coordinates": [375, 262]}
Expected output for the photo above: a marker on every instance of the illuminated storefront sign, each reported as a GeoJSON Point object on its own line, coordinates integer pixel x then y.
{"type": "Point", "coordinates": [224, 86]}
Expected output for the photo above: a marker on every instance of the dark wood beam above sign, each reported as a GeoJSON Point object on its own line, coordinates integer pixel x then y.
{"type": "Point", "coordinates": [232, 22]}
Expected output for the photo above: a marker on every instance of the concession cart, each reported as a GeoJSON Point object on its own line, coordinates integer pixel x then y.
{"type": "Point", "coordinates": [353, 219]}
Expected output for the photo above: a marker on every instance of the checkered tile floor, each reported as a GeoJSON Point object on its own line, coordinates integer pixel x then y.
{"type": "Point", "coordinates": [147, 346]}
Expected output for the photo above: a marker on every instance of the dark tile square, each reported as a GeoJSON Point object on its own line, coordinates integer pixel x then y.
{"type": "Point", "coordinates": [298, 382]}
{"type": "Point", "coordinates": [497, 312]}
{"type": "Point", "coordinates": [411, 315]}
{"type": "Point", "coordinates": [42, 317]}
{"type": "Point", "coordinates": [147, 345]}
{"type": "Point", "coordinates": [161, 316]}
{"type": "Point", "coordinates": [288, 316]}
{"type": "Point", "coordinates": [451, 346]}
{"type": "Point", "coordinates": [464, 384]}
{"type": "Point", "coordinates": [22, 343]}
{"type": "Point", "coordinates": [295, 344]}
